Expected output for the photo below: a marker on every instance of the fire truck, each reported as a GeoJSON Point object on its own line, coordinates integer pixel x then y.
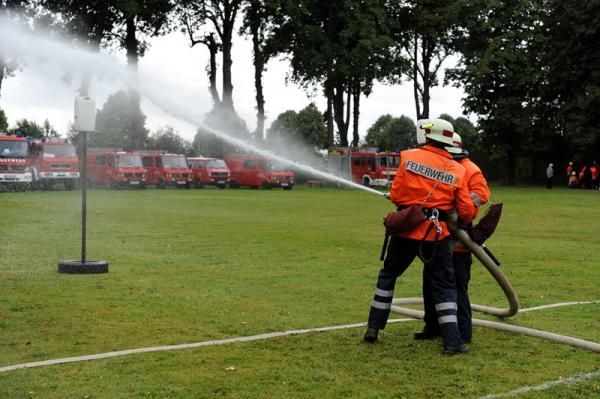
{"type": "Point", "coordinates": [165, 169]}
{"type": "Point", "coordinates": [116, 168]}
{"type": "Point", "coordinates": [366, 166]}
{"type": "Point", "coordinates": [257, 171]}
{"type": "Point", "coordinates": [54, 161]}
{"type": "Point", "coordinates": [15, 166]}
{"type": "Point", "coordinates": [209, 171]}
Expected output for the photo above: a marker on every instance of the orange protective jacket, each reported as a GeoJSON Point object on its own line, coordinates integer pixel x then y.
{"type": "Point", "coordinates": [478, 190]}
{"type": "Point", "coordinates": [432, 170]}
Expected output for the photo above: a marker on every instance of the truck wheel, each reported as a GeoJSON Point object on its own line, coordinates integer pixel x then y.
{"type": "Point", "coordinates": [161, 185]}
{"type": "Point", "coordinates": [142, 186]}
{"type": "Point", "coordinates": [46, 186]}
{"type": "Point", "coordinates": [288, 188]}
{"type": "Point", "coordinates": [69, 185]}
{"type": "Point", "coordinates": [113, 185]}
{"type": "Point", "coordinates": [366, 181]}
{"type": "Point", "coordinates": [266, 186]}
{"type": "Point", "coordinates": [221, 186]}
{"type": "Point", "coordinates": [188, 185]}
{"type": "Point", "coordinates": [234, 184]}
{"type": "Point", "coordinates": [198, 183]}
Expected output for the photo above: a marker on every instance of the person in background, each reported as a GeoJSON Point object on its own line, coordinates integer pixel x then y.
{"type": "Point", "coordinates": [573, 180]}
{"type": "Point", "coordinates": [549, 176]}
{"type": "Point", "coordinates": [595, 170]}
{"type": "Point", "coordinates": [569, 169]}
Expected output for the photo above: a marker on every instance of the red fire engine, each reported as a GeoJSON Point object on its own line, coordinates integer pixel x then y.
{"type": "Point", "coordinates": [365, 166]}
{"type": "Point", "coordinates": [257, 171]}
{"type": "Point", "coordinates": [15, 166]}
{"type": "Point", "coordinates": [209, 171]}
{"type": "Point", "coordinates": [115, 168]}
{"type": "Point", "coordinates": [54, 161]}
{"type": "Point", "coordinates": [167, 169]}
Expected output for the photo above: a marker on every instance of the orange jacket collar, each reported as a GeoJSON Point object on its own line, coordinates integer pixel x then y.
{"type": "Point", "coordinates": [439, 151]}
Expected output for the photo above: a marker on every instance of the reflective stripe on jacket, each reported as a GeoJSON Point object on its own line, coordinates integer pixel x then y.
{"type": "Point", "coordinates": [419, 171]}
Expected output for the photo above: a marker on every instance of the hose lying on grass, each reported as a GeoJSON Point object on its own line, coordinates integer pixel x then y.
{"type": "Point", "coordinates": [513, 301]}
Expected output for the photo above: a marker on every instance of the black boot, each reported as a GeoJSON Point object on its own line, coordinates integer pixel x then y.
{"type": "Point", "coordinates": [426, 334]}
{"type": "Point", "coordinates": [371, 335]}
{"type": "Point", "coordinates": [452, 350]}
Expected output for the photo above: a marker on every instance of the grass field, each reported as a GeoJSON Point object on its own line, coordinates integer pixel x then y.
{"type": "Point", "coordinates": [196, 265]}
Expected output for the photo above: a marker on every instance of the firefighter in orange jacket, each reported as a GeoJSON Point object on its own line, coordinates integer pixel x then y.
{"type": "Point", "coordinates": [479, 192]}
{"type": "Point", "coordinates": [427, 176]}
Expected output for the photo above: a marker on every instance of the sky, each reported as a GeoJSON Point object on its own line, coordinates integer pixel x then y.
{"type": "Point", "coordinates": [37, 92]}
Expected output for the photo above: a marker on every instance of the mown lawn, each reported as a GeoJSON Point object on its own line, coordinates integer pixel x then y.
{"type": "Point", "coordinates": [195, 265]}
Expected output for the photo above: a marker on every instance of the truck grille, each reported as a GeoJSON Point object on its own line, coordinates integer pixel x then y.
{"type": "Point", "coordinates": [219, 174]}
{"type": "Point", "coordinates": [13, 168]}
{"type": "Point", "coordinates": [184, 175]}
{"type": "Point", "coordinates": [134, 174]}
{"type": "Point", "coordinates": [60, 166]}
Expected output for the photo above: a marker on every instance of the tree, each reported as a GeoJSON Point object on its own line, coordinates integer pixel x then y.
{"type": "Point", "coordinates": [209, 145]}
{"type": "Point", "coordinates": [392, 134]}
{"type": "Point", "coordinates": [120, 123]}
{"type": "Point", "coordinates": [166, 138]}
{"type": "Point", "coordinates": [306, 126]}
{"type": "Point", "coordinates": [571, 95]}
{"type": "Point", "coordinates": [500, 71]}
{"type": "Point", "coordinates": [424, 31]}
{"type": "Point", "coordinates": [341, 46]}
{"type": "Point", "coordinates": [31, 128]}
{"type": "Point", "coordinates": [3, 121]}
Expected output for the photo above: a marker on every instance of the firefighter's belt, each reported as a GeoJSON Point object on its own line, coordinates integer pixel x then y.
{"type": "Point", "coordinates": [442, 215]}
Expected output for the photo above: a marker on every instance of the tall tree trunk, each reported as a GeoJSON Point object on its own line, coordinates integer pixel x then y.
{"type": "Point", "coordinates": [227, 61]}
{"type": "Point", "coordinates": [131, 46]}
{"type": "Point", "coordinates": [355, 135]}
{"type": "Point", "coordinates": [426, 57]}
{"type": "Point", "coordinates": [2, 73]}
{"type": "Point", "coordinates": [213, 48]}
{"type": "Point", "coordinates": [415, 77]}
{"type": "Point", "coordinates": [329, 141]}
{"type": "Point", "coordinates": [259, 66]}
{"type": "Point", "coordinates": [338, 113]}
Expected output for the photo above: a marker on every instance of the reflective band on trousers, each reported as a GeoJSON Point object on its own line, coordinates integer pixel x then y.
{"type": "Point", "coordinates": [476, 199]}
{"type": "Point", "coordinates": [447, 319]}
{"type": "Point", "coordinates": [446, 306]}
{"type": "Point", "coordinates": [384, 293]}
{"type": "Point", "coordinates": [381, 305]}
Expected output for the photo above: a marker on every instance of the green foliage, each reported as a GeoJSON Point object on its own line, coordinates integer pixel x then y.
{"type": "Point", "coordinates": [121, 124]}
{"type": "Point", "coordinates": [3, 121]}
{"type": "Point", "coordinates": [166, 138]}
{"type": "Point", "coordinates": [208, 144]}
{"type": "Point", "coordinates": [33, 129]}
{"type": "Point", "coordinates": [306, 126]}
{"type": "Point", "coordinates": [391, 134]}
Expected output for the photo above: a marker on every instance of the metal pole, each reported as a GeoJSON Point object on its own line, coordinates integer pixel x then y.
{"type": "Point", "coordinates": [83, 180]}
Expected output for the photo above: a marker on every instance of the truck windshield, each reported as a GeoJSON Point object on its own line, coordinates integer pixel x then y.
{"type": "Point", "coordinates": [59, 151]}
{"type": "Point", "coordinates": [133, 161]}
{"type": "Point", "coordinates": [389, 162]}
{"type": "Point", "coordinates": [263, 164]}
{"type": "Point", "coordinates": [217, 164]}
{"type": "Point", "coordinates": [175, 162]}
{"type": "Point", "coordinates": [16, 149]}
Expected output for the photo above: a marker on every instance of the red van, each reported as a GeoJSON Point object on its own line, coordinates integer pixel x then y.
{"type": "Point", "coordinates": [54, 161]}
{"type": "Point", "coordinates": [167, 169]}
{"type": "Point", "coordinates": [257, 171]}
{"type": "Point", "coordinates": [115, 168]}
{"type": "Point", "coordinates": [209, 171]}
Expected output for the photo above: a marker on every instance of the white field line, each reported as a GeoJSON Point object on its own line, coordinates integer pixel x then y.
{"type": "Point", "coordinates": [574, 379]}
{"type": "Point", "coordinates": [127, 352]}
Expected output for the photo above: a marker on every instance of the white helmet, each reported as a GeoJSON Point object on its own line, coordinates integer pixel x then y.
{"type": "Point", "coordinates": [456, 147]}
{"type": "Point", "coordinates": [434, 129]}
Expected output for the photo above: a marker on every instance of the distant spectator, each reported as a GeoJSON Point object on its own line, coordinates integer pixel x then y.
{"type": "Point", "coordinates": [585, 177]}
{"type": "Point", "coordinates": [573, 180]}
{"type": "Point", "coordinates": [569, 169]}
{"type": "Point", "coordinates": [549, 175]}
{"type": "Point", "coordinates": [595, 170]}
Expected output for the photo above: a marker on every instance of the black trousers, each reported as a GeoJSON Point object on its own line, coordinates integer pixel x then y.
{"type": "Point", "coordinates": [438, 271]}
{"type": "Point", "coordinates": [462, 272]}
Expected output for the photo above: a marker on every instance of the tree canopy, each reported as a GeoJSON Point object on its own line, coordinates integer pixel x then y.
{"type": "Point", "coordinates": [392, 134]}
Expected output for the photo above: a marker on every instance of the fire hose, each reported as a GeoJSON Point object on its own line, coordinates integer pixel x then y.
{"type": "Point", "coordinates": [509, 292]}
